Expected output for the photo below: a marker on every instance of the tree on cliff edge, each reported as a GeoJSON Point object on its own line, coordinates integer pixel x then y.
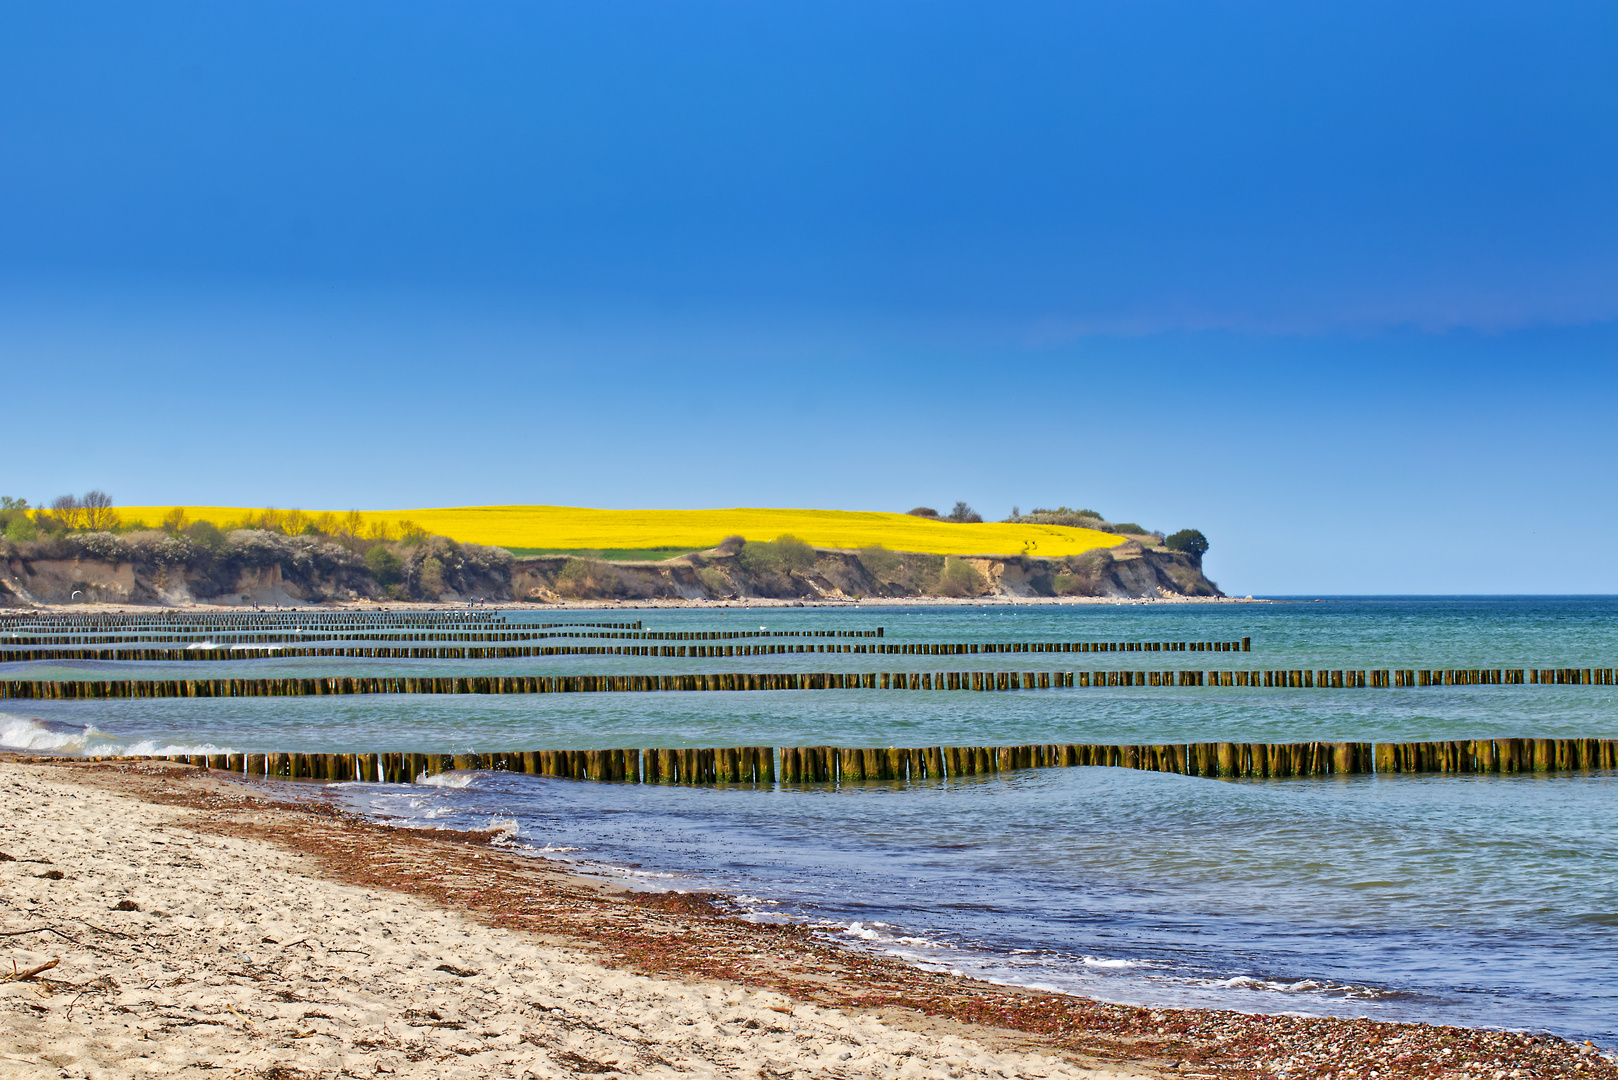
{"type": "Point", "coordinates": [1190, 541]}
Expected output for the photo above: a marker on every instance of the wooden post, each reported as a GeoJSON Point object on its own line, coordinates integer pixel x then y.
{"type": "Point", "coordinates": [1544, 755]}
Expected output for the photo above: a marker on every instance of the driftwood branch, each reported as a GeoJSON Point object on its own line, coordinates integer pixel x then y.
{"type": "Point", "coordinates": [40, 930]}
{"type": "Point", "coordinates": [101, 930]}
{"type": "Point", "coordinates": [29, 973]}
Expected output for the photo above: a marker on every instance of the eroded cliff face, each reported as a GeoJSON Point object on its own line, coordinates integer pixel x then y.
{"type": "Point", "coordinates": [286, 572]}
{"type": "Point", "coordinates": [1126, 571]}
{"type": "Point", "coordinates": [98, 581]}
{"type": "Point", "coordinates": [153, 568]}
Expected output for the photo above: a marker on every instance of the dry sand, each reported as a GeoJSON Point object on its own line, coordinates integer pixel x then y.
{"type": "Point", "coordinates": [286, 940]}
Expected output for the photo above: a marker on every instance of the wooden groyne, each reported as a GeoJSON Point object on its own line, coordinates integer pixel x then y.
{"type": "Point", "coordinates": [104, 622]}
{"type": "Point", "coordinates": [839, 765]}
{"type": "Point", "coordinates": [231, 651]}
{"type": "Point", "coordinates": [91, 689]}
{"type": "Point", "coordinates": [82, 647]}
{"type": "Point", "coordinates": [74, 690]}
{"type": "Point", "coordinates": [388, 652]}
{"type": "Point", "coordinates": [299, 635]}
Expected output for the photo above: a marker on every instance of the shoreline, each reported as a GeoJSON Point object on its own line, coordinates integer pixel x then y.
{"type": "Point", "coordinates": [673, 942]}
{"type": "Point", "coordinates": [644, 605]}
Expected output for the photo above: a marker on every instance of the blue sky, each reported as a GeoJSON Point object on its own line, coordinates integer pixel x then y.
{"type": "Point", "coordinates": [1335, 283]}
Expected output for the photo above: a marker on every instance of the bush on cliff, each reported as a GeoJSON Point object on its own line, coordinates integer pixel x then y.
{"type": "Point", "coordinates": [784, 555]}
{"type": "Point", "coordinates": [797, 557]}
{"type": "Point", "coordinates": [960, 578]}
{"type": "Point", "coordinates": [880, 563]}
{"type": "Point", "coordinates": [438, 565]}
{"type": "Point", "coordinates": [715, 583]}
{"type": "Point", "coordinates": [430, 578]}
{"type": "Point", "coordinates": [15, 523]}
{"type": "Point", "coordinates": [587, 579]}
{"type": "Point", "coordinates": [384, 566]}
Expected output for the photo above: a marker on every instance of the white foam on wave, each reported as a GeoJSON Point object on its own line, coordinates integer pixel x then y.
{"type": "Point", "coordinates": [60, 737]}
{"type": "Point", "coordinates": [1104, 962]}
{"type": "Point", "coordinates": [27, 733]}
{"type": "Point", "coordinates": [887, 935]}
{"type": "Point", "coordinates": [447, 779]}
{"type": "Point", "coordinates": [505, 829]}
{"type": "Point", "coordinates": [1300, 986]}
{"type": "Point", "coordinates": [159, 749]}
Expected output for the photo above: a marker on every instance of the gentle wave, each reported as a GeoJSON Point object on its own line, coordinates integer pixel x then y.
{"type": "Point", "coordinates": [1302, 986]}
{"type": "Point", "coordinates": [85, 740]}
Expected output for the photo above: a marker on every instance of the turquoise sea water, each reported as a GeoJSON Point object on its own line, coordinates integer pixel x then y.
{"type": "Point", "coordinates": [1488, 900]}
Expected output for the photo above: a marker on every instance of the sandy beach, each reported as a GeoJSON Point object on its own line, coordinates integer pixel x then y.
{"type": "Point", "coordinates": [203, 926]}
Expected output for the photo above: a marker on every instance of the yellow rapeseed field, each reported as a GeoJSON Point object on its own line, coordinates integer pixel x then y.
{"type": "Point", "coordinates": [579, 528]}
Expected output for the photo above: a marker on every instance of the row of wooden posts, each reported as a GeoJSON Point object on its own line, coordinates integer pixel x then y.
{"type": "Point", "coordinates": [54, 690]}
{"type": "Point", "coordinates": [37, 648]}
{"type": "Point", "coordinates": [833, 764]}
{"type": "Point", "coordinates": [300, 636]}
{"type": "Point", "coordinates": [300, 633]}
{"type": "Point", "coordinates": [47, 623]}
{"type": "Point", "coordinates": [226, 651]}
{"type": "Point", "coordinates": [424, 652]}
{"type": "Point", "coordinates": [89, 689]}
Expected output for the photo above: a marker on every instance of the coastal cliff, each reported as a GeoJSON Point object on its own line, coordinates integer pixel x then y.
{"type": "Point", "coordinates": [257, 567]}
{"type": "Point", "coordinates": [1126, 571]}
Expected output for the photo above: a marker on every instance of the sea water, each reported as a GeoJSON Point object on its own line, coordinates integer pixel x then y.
{"type": "Point", "coordinates": [1480, 900]}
